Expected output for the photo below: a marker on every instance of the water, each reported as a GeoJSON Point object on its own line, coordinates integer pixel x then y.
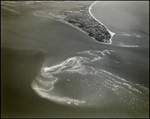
{"type": "Point", "coordinates": [81, 83]}
{"type": "Point", "coordinates": [129, 20]}
{"type": "Point", "coordinates": [71, 75]}
{"type": "Point", "coordinates": [78, 80]}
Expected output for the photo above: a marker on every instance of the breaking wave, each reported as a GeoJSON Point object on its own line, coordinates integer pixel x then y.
{"type": "Point", "coordinates": [129, 34]}
{"type": "Point", "coordinates": [123, 45]}
{"type": "Point", "coordinates": [76, 81]}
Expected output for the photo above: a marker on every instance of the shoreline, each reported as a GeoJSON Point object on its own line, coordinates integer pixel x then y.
{"type": "Point", "coordinates": [111, 33]}
{"type": "Point", "coordinates": [73, 24]}
{"type": "Point", "coordinates": [78, 16]}
{"type": "Point", "coordinates": [31, 43]}
{"type": "Point", "coordinates": [87, 23]}
{"type": "Point", "coordinates": [61, 20]}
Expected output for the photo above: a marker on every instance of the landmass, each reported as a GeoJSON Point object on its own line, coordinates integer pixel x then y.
{"type": "Point", "coordinates": [75, 13]}
{"type": "Point", "coordinates": [81, 18]}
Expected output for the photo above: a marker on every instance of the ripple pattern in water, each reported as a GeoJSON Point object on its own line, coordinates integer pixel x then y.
{"type": "Point", "coordinates": [77, 82]}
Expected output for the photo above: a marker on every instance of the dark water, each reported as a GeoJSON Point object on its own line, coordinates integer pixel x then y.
{"type": "Point", "coordinates": [50, 69]}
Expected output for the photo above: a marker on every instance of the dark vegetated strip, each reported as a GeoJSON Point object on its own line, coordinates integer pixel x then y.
{"type": "Point", "coordinates": [88, 24]}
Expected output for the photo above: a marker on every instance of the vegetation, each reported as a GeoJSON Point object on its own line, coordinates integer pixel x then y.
{"type": "Point", "coordinates": [76, 14]}
{"type": "Point", "coordinates": [81, 18]}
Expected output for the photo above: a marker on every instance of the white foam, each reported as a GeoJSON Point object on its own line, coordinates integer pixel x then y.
{"type": "Point", "coordinates": [11, 10]}
{"type": "Point", "coordinates": [123, 45]}
{"type": "Point", "coordinates": [129, 35]}
{"type": "Point", "coordinates": [62, 100]}
{"type": "Point", "coordinates": [124, 34]}
{"type": "Point", "coordinates": [137, 35]}
{"type": "Point", "coordinates": [98, 55]}
{"type": "Point", "coordinates": [94, 84]}
{"type": "Point", "coordinates": [29, 2]}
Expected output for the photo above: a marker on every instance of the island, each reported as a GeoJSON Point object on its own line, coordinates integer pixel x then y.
{"type": "Point", "coordinates": [74, 13]}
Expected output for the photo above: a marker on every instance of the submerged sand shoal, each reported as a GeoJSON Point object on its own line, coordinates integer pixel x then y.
{"type": "Point", "coordinates": [34, 40]}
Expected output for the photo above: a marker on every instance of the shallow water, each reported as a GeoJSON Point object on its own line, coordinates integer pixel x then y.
{"type": "Point", "coordinates": [57, 71]}
{"type": "Point", "coordinates": [77, 81]}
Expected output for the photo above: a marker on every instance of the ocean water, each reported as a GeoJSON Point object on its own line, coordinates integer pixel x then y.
{"type": "Point", "coordinates": [82, 81]}
{"type": "Point", "coordinates": [128, 20]}
{"type": "Point", "coordinates": [50, 69]}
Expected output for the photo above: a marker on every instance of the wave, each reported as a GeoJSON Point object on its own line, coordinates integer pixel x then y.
{"type": "Point", "coordinates": [76, 81]}
{"type": "Point", "coordinates": [123, 45]}
{"type": "Point", "coordinates": [11, 10]}
{"type": "Point", "coordinates": [130, 35]}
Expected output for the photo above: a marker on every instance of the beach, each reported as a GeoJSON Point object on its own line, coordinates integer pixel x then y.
{"type": "Point", "coordinates": [132, 23]}
{"type": "Point", "coordinates": [52, 69]}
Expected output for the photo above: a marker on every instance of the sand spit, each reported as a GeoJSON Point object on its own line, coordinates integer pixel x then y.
{"type": "Point", "coordinates": [73, 13]}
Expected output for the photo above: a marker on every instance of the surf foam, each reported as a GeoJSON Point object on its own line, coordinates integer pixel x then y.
{"type": "Point", "coordinates": [75, 81]}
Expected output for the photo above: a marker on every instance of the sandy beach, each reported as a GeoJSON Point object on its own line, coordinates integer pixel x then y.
{"type": "Point", "coordinates": [112, 80]}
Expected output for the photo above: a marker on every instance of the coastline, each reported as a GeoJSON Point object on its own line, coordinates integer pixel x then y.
{"type": "Point", "coordinates": [77, 15]}
{"type": "Point", "coordinates": [61, 20]}
{"type": "Point", "coordinates": [31, 43]}
{"type": "Point", "coordinates": [111, 33]}
{"type": "Point", "coordinates": [95, 29]}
